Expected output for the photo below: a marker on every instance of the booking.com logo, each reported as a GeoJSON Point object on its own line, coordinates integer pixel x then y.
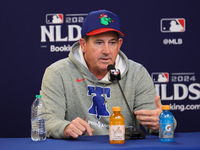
{"type": "Point", "coordinates": [184, 107]}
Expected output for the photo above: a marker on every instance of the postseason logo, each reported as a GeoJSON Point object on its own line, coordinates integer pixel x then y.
{"type": "Point", "coordinates": [61, 31]}
{"type": "Point", "coordinates": [176, 88]}
{"type": "Point", "coordinates": [172, 25]}
{"type": "Point", "coordinates": [54, 18]}
{"type": "Point", "coordinates": [180, 85]}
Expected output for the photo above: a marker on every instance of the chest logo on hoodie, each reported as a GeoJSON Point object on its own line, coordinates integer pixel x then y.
{"type": "Point", "coordinates": [98, 106]}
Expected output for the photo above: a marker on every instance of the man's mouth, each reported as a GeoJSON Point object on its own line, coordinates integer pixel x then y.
{"type": "Point", "coordinates": [105, 59]}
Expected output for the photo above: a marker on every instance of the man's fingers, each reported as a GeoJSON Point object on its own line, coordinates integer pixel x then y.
{"type": "Point", "coordinates": [69, 132]}
{"type": "Point", "coordinates": [77, 128]}
{"type": "Point", "coordinates": [78, 124]}
{"type": "Point", "coordinates": [150, 112]}
{"type": "Point", "coordinates": [145, 112]}
{"type": "Point", "coordinates": [84, 126]}
{"type": "Point", "coordinates": [158, 103]}
{"type": "Point", "coordinates": [150, 118]}
{"type": "Point", "coordinates": [89, 129]}
{"type": "Point", "coordinates": [150, 124]}
{"type": "Point", "coordinates": [147, 118]}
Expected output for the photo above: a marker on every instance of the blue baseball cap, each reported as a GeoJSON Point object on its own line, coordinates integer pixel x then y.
{"type": "Point", "coordinates": [100, 21]}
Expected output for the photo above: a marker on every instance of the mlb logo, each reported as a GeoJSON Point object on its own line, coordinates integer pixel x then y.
{"type": "Point", "coordinates": [115, 71]}
{"type": "Point", "coordinates": [54, 18]}
{"type": "Point", "coordinates": [172, 25]}
{"type": "Point", "coordinates": [159, 77]}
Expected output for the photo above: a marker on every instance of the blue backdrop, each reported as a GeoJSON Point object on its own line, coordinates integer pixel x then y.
{"type": "Point", "coordinates": [31, 41]}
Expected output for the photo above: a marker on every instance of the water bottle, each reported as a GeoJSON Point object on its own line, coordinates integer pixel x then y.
{"type": "Point", "coordinates": [117, 127]}
{"type": "Point", "coordinates": [38, 120]}
{"type": "Point", "coordinates": [166, 130]}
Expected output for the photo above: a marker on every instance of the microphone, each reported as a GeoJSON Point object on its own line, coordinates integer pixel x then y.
{"type": "Point", "coordinates": [114, 74]}
{"type": "Point", "coordinates": [114, 77]}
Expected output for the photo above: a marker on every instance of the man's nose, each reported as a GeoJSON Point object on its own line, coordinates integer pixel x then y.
{"type": "Point", "coordinates": [106, 48]}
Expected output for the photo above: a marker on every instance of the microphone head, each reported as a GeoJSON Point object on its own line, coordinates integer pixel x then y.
{"type": "Point", "coordinates": [114, 74]}
{"type": "Point", "coordinates": [110, 67]}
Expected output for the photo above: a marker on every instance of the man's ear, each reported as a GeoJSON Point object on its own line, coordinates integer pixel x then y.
{"type": "Point", "coordinates": [120, 43]}
{"type": "Point", "coordinates": [82, 43]}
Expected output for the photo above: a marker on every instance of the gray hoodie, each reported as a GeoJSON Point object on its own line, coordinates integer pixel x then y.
{"type": "Point", "coordinates": [70, 90]}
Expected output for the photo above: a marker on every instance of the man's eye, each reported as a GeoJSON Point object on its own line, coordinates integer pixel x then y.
{"type": "Point", "coordinates": [99, 43]}
{"type": "Point", "coordinates": [112, 43]}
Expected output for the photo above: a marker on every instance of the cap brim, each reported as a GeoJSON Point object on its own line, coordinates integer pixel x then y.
{"type": "Point", "coordinates": [103, 30]}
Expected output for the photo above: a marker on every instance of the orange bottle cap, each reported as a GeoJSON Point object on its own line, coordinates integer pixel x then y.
{"type": "Point", "coordinates": [165, 107]}
{"type": "Point", "coordinates": [116, 108]}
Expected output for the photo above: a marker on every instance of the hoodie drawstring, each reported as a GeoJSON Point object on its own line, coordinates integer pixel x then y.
{"type": "Point", "coordinates": [104, 95]}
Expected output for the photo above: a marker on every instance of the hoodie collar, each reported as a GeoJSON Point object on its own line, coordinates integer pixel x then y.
{"type": "Point", "coordinates": [119, 62]}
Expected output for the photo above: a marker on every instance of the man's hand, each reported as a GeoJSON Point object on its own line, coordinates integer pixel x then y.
{"type": "Point", "coordinates": [150, 118]}
{"type": "Point", "coordinates": [77, 128]}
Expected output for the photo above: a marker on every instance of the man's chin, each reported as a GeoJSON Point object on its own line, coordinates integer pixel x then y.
{"type": "Point", "coordinates": [104, 67]}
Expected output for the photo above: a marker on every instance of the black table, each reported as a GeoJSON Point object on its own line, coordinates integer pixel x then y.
{"type": "Point", "coordinates": [187, 141]}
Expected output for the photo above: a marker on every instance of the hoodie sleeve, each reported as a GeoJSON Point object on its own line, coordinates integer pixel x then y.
{"type": "Point", "coordinates": [146, 94]}
{"type": "Point", "coordinates": [53, 95]}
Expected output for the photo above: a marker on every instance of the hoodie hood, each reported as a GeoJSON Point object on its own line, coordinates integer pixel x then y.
{"type": "Point", "coordinates": [76, 56]}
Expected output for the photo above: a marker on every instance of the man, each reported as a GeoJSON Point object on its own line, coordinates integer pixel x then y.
{"type": "Point", "coordinates": [78, 96]}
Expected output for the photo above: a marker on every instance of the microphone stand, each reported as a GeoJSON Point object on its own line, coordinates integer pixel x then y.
{"type": "Point", "coordinates": [135, 132]}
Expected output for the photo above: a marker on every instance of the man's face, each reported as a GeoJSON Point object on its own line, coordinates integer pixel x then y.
{"type": "Point", "coordinates": [100, 51]}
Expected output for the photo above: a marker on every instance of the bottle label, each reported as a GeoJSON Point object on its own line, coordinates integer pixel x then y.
{"type": "Point", "coordinates": [166, 130]}
{"type": "Point", "coordinates": [117, 132]}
